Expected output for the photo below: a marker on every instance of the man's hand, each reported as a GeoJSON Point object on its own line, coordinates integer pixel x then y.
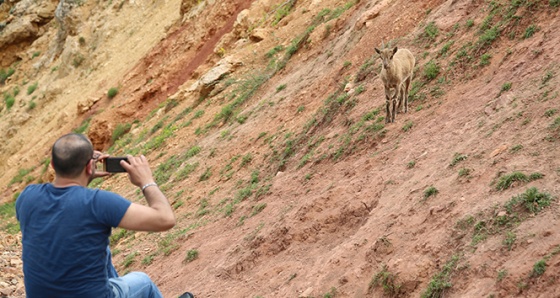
{"type": "Point", "coordinates": [98, 156]}
{"type": "Point", "coordinates": [138, 170]}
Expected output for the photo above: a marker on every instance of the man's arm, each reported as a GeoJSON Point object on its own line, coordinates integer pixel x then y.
{"type": "Point", "coordinates": [158, 215]}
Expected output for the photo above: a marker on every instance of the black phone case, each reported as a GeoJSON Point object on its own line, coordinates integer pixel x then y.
{"type": "Point", "coordinates": [113, 164]}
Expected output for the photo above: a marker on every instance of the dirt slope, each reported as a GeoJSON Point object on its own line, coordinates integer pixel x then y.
{"type": "Point", "coordinates": [285, 178]}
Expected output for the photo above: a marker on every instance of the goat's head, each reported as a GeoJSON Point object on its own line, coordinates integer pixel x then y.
{"type": "Point", "coordinates": [386, 56]}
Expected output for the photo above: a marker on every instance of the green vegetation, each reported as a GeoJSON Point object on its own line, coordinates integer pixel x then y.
{"type": "Point", "coordinates": [516, 148]}
{"type": "Point", "coordinates": [9, 100]}
{"type": "Point", "coordinates": [430, 191]}
{"type": "Point", "coordinates": [407, 126]}
{"type": "Point", "coordinates": [431, 70]}
{"type": "Point", "coordinates": [282, 11]}
{"type": "Point", "coordinates": [442, 280]}
{"type": "Point", "coordinates": [530, 31]}
{"type": "Point", "coordinates": [31, 88]}
{"type": "Point", "coordinates": [431, 31]}
{"type": "Point", "coordinates": [411, 164]}
{"type": "Point", "coordinates": [281, 87]}
{"type": "Point", "coordinates": [538, 268]}
{"type": "Point", "coordinates": [485, 59]}
{"type": "Point", "coordinates": [8, 221]}
{"type": "Point", "coordinates": [5, 74]}
{"type": "Point", "coordinates": [192, 254]}
{"type": "Point", "coordinates": [531, 200]}
{"type": "Point", "coordinates": [120, 130]}
{"type": "Point", "coordinates": [113, 91]}
{"type": "Point", "coordinates": [19, 177]}
{"type": "Point", "coordinates": [509, 240]}
{"type": "Point", "coordinates": [130, 259]}
{"type": "Point", "coordinates": [386, 280]}
{"type": "Point", "coordinates": [550, 112]}
{"type": "Point", "coordinates": [457, 158]}
{"type": "Point", "coordinates": [507, 181]}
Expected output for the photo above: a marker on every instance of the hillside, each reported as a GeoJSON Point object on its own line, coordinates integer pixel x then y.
{"type": "Point", "coordinates": [264, 123]}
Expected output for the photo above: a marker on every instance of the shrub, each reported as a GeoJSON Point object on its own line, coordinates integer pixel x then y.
{"type": "Point", "coordinates": [539, 268]}
{"type": "Point", "coordinates": [430, 191]}
{"type": "Point", "coordinates": [431, 70]}
{"type": "Point", "coordinates": [10, 100]}
{"type": "Point", "coordinates": [532, 200]}
{"type": "Point", "coordinates": [32, 88]}
{"type": "Point", "coordinates": [457, 158]}
{"type": "Point", "coordinates": [554, 3]}
{"type": "Point", "coordinates": [192, 255]}
{"type": "Point", "coordinates": [4, 75]}
{"type": "Point", "coordinates": [530, 31]}
{"type": "Point", "coordinates": [431, 31]}
{"type": "Point", "coordinates": [112, 92]}
{"type": "Point", "coordinates": [120, 130]}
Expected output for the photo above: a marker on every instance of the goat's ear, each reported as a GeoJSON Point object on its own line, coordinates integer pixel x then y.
{"type": "Point", "coordinates": [395, 50]}
{"type": "Point", "coordinates": [378, 51]}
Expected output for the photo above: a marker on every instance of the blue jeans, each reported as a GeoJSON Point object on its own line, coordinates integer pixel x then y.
{"type": "Point", "coordinates": [132, 285]}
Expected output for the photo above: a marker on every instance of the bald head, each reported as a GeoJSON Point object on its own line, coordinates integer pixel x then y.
{"type": "Point", "coordinates": [70, 155]}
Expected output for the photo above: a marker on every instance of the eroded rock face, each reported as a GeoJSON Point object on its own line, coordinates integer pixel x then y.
{"type": "Point", "coordinates": [23, 26]}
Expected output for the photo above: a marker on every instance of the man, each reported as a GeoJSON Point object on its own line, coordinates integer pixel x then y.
{"type": "Point", "coordinates": [66, 226]}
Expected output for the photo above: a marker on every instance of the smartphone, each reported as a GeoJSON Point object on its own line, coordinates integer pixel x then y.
{"type": "Point", "coordinates": [113, 164]}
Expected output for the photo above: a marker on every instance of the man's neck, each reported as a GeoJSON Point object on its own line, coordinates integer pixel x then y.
{"type": "Point", "coordinates": [66, 182]}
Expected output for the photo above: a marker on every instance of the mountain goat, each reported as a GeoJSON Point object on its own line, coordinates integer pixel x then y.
{"type": "Point", "coordinates": [396, 73]}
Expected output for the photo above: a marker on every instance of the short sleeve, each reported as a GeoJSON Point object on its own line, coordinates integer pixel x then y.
{"type": "Point", "coordinates": [109, 208]}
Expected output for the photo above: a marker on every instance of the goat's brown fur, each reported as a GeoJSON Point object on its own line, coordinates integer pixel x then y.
{"type": "Point", "coordinates": [398, 65]}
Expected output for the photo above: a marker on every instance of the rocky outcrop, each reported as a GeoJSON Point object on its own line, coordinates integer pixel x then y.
{"type": "Point", "coordinates": [23, 26]}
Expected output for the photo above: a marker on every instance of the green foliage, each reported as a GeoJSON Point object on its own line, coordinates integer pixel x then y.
{"type": "Point", "coordinates": [282, 11]}
{"type": "Point", "coordinates": [516, 148]}
{"type": "Point", "coordinates": [31, 88]}
{"type": "Point", "coordinates": [411, 164]}
{"type": "Point", "coordinates": [407, 126]}
{"type": "Point", "coordinates": [247, 158]}
{"type": "Point", "coordinates": [186, 171]}
{"type": "Point", "coordinates": [458, 157]}
{"type": "Point", "coordinates": [532, 200]}
{"type": "Point", "coordinates": [147, 260]}
{"type": "Point", "coordinates": [502, 274]}
{"type": "Point", "coordinates": [258, 208]}
{"type": "Point", "coordinates": [506, 87]}
{"type": "Point", "coordinates": [506, 181]}
{"type": "Point", "coordinates": [120, 130]}
{"type": "Point", "coordinates": [488, 37]}
{"type": "Point", "coordinates": [550, 112]}
{"type": "Point", "coordinates": [281, 87]}
{"type": "Point", "coordinates": [554, 3]}
{"type": "Point", "coordinates": [5, 74]}
{"type": "Point", "coordinates": [387, 280]}
{"type": "Point", "coordinates": [530, 31]}
{"type": "Point", "coordinates": [193, 151]}
{"type": "Point", "coordinates": [192, 254]}
{"type": "Point", "coordinates": [441, 281]}
{"type": "Point", "coordinates": [538, 268]}
{"type": "Point", "coordinates": [485, 59]}
{"type": "Point", "coordinates": [206, 175]}
{"type": "Point", "coordinates": [331, 294]}
{"type": "Point", "coordinates": [113, 91]}
{"type": "Point", "coordinates": [7, 217]}
{"type": "Point", "coordinates": [31, 105]}
{"type": "Point", "coordinates": [130, 259]}
{"type": "Point", "coordinates": [431, 70]}
{"type": "Point", "coordinates": [9, 100]}
{"type": "Point", "coordinates": [463, 172]}
{"type": "Point", "coordinates": [509, 240]}
{"type": "Point", "coordinates": [431, 31]}
{"type": "Point", "coordinates": [20, 176]}
{"type": "Point", "coordinates": [430, 191]}
{"type": "Point", "coordinates": [469, 23]}
{"type": "Point", "coordinates": [274, 50]}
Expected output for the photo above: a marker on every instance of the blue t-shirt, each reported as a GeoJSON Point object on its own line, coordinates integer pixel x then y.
{"type": "Point", "coordinates": [65, 237]}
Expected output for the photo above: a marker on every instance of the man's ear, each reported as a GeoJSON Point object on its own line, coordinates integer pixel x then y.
{"type": "Point", "coordinates": [89, 167]}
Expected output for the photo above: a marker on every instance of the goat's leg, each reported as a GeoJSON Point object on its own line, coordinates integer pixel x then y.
{"type": "Point", "coordinates": [388, 105]}
{"type": "Point", "coordinates": [395, 100]}
{"type": "Point", "coordinates": [406, 87]}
